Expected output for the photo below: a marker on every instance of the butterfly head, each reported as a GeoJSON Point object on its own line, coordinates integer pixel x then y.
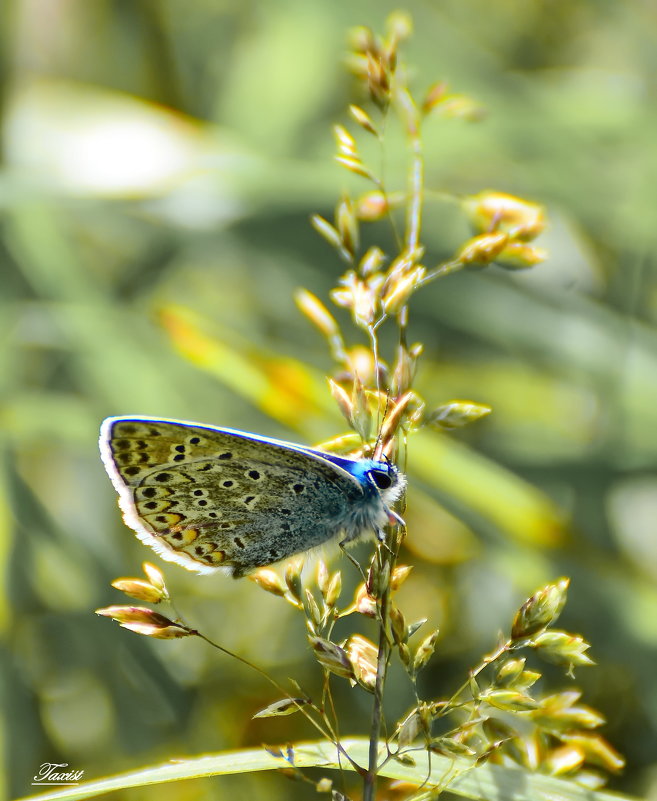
{"type": "Point", "coordinates": [382, 484]}
{"type": "Point", "coordinates": [381, 478]}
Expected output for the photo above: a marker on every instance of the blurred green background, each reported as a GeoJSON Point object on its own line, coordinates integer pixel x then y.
{"type": "Point", "coordinates": [159, 164]}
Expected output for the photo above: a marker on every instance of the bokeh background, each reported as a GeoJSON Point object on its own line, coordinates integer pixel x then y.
{"type": "Point", "coordinates": [160, 161]}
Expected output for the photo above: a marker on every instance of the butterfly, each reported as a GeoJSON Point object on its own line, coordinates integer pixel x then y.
{"type": "Point", "coordinates": [213, 498]}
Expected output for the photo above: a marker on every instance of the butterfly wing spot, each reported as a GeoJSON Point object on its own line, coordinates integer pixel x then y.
{"type": "Point", "coordinates": [125, 429]}
{"type": "Point", "coordinates": [199, 498]}
{"type": "Point", "coordinates": [204, 551]}
{"type": "Point", "coordinates": [182, 537]}
{"type": "Point", "coordinates": [162, 522]}
{"type": "Point", "coordinates": [152, 492]}
{"type": "Point", "coordinates": [151, 507]}
{"type": "Point", "coordinates": [195, 440]}
{"type": "Point", "coordinates": [228, 484]}
{"type": "Point", "coordinates": [178, 453]}
{"type": "Point", "coordinates": [216, 557]}
{"type": "Point", "coordinates": [167, 477]}
{"type": "Point", "coordinates": [133, 470]}
{"type": "Point", "coordinates": [298, 488]}
{"type": "Point", "coordinates": [249, 501]}
{"type": "Point", "coordinates": [225, 455]}
{"type": "Point", "coordinates": [254, 475]}
{"type": "Point", "coordinates": [131, 457]}
{"type": "Point", "coordinates": [207, 552]}
{"type": "Point", "coordinates": [202, 467]}
{"type": "Point", "coordinates": [238, 542]}
{"type": "Point", "coordinates": [136, 444]}
{"type": "Point", "coordinates": [134, 429]}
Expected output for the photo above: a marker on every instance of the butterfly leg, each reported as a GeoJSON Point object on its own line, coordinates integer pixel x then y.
{"type": "Point", "coordinates": [381, 538]}
{"type": "Point", "coordinates": [353, 561]}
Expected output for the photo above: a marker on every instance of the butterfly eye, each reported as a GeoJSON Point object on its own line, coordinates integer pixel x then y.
{"type": "Point", "coordinates": [381, 478]}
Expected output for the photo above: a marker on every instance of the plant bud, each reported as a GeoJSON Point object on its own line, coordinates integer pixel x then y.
{"type": "Point", "coordinates": [509, 672]}
{"type": "Point", "coordinates": [293, 578]}
{"type": "Point", "coordinates": [269, 580]}
{"type": "Point", "coordinates": [482, 249]}
{"type": "Point", "coordinates": [332, 657]}
{"type": "Point", "coordinates": [543, 608]}
{"type": "Point", "coordinates": [398, 625]}
{"type": "Point", "coordinates": [425, 651]}
{"type": "Point", "coordinates": [139, 589]}
{"type": "Point", "coordinates": [399, 576]}
{"type": "Point", "coordinates": [334, 590]}
{"type": "Point", "coordinates": [155, 576]}
{"type": "Point", "coordinates": [497, 211]}
{"type": "Point", "coordinates": [562, 648]}
{"type": "Point", "coordinates": [365, 603]}
{"type": "Point", "coordinates": [457, 413]}
{"type": "Point", "coordinates": [145, 621]}
{"type": "Point", "coordinates": [345, 141]}
{"type": "Point", "coordinates": [363, 655]}
{"type": "Point", "coordinates": [363, 119]}
{"type": "Point", "coordinates": [520, 256]}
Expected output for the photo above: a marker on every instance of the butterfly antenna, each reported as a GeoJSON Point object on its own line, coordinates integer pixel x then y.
{"type": "Point", "coordinates": [378, 447]}
{"type": "Point", "coordinates": [377, 377]}
{"type": "Point", "coordinates": [403, 322]}
{"type": "Point", "coordinates": [375, 356]}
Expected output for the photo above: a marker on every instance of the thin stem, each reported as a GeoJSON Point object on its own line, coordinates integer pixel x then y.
{"type": "Point", "coordinates": [415, 189]}
{"type": "Point", "coordinates": [441, 271]}
{"type": "Point", "coordinates": [380, 183]}
{"type": "Point", "coordinates": [451, 704]}
{"type": "Point", "coordinates": [369, 785]}
{"type": "Point", "coordinates": [328, 734]}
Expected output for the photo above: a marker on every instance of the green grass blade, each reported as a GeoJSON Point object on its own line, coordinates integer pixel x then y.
{"type": "Point", "coordinates": [482, 783]}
